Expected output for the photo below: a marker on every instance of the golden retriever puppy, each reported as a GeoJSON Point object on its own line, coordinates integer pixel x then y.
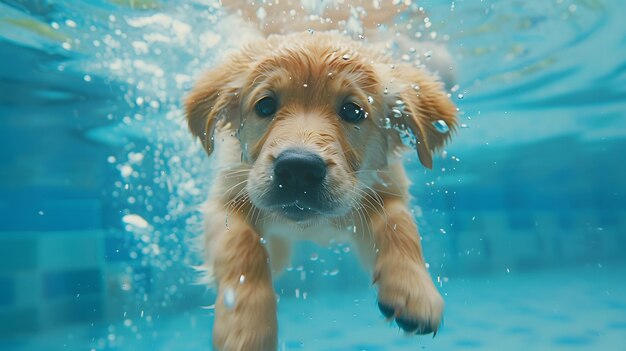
{"type": "Point", "coordinates": [307, 130]}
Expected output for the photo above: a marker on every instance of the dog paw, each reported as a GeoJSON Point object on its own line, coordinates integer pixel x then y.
{"type": "Point", "coordinates": [408, 295]}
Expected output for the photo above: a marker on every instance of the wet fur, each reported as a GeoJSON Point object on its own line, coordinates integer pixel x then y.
{"type": "Point", "coordinates": [367, 185]}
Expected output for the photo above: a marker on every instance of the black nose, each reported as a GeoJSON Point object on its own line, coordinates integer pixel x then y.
{"type": "Point", "coordinates": [299, 170]}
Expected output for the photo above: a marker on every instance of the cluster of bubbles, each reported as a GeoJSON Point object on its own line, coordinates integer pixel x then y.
{"type": "Point", "coordinates": [162, 172]}
{"type": "Point", "coordinates": [148, 55]}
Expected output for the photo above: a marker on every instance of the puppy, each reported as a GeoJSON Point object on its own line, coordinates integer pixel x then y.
{"type": "Point", "coordinates": [307, 130]}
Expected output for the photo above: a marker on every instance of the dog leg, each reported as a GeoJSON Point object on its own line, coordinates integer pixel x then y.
{"type": "Point", "coordinates": [245, 311]}
{"type": "Point", "coordinates": [279, 255]}
{"type": "Point", "coordinates": [406, 292]}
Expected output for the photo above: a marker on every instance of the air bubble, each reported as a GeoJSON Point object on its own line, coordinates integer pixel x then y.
{"type": "Point", "coordinates": [126, 171]}
{"type": "Point", "coordinates": [261, 13]}
{"type": "Point", "coordinates": [387, 123]}
{"type": "Point", "coordinates": [441, 126]}
{"type": "Point", "coordinates": [230, 298]}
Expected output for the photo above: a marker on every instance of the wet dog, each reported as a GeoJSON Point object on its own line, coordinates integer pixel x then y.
{"type": "Point", "coordinates": [307, 130]}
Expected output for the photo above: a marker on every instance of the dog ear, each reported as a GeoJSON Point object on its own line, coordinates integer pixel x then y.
{"type": "Point", "coordinates": [428, 111]}
{"type": "Point", "coordinates": [215, 96]}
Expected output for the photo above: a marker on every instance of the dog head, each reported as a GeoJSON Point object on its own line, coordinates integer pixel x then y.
{"type": "Point", "coordinates": [312, 111]}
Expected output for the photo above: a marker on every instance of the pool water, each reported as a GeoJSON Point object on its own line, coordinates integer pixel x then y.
{"type": "Point", "coordinates": [579, 308]}
{"type": "Point", "coordinates": [523, 217]}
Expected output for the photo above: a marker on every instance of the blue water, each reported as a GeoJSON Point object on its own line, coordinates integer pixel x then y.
{"type": "Point", "coordinates": [523, 218]}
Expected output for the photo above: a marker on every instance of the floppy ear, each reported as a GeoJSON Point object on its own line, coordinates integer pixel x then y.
{"type": "Point", "coordinates": [214, 96]}
{"type": "Point", "coordinates": [428, 111]}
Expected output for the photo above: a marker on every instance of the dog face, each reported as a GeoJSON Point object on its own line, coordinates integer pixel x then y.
{"type": "Point", "coordinates": [311, 113]}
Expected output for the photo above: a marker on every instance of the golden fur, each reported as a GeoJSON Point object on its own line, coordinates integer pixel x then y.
{"type": "Point", "coordinates": [246, 240]}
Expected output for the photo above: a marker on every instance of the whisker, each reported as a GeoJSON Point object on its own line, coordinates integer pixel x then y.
{"type": "Point", "coordinates": [380, 202]}
{"type": "Point", "coordinates": [229, 191]}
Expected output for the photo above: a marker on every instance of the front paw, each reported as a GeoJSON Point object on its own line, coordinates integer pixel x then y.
{"type": "Point", "coordinates": [245, 319]}
{"type": "Point", "coordinates": [407, 294]}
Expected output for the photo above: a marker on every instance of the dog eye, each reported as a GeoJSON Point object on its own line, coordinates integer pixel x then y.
{"type": "Point", "coordinates": [266, 106]}
{"type": "Point", "coordinates": [351, 112]}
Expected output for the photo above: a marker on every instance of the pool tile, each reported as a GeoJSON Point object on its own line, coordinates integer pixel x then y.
{"type": "Point", "coordinates": [71, 250]}
{"type": "Point", "coordinates": [76, 309]}
{"type": "Point", "coordinates": [7, 290]}
{"type": "Point", "coordinates": [117, 248]}
{"type": "Point", "coordinates": [63, 283]}
{"type": "Point", "coordinates": [17, 253]}
{"type": "Point", "coordinates": [54, 214]}
{"type": "Point", "coordinates": [19, 320]}
{"type": "Point", "coordinates": [469, 343]}
{"type": "Point", "coordinates": [573, 340]}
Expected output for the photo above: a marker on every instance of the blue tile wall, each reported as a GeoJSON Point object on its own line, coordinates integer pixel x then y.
{"type": "Point", "coordinates": [116, 248]}
{"type": "Point", "coordinates": [565, 222]}
{"type": "Point", "coordinates": [608, 219]}
{"type": "Point", "coordinates": [17, 254]}
{"type": "Point", "coordinates": [21, 320]}
{"type": "Point", "coordinates": [82, 309]}
{"type": "Point", "coordinates": [520, 221]}
{"type": "Point", "coordinates": [85, 310]}
{"type": "Point", "coordinates": [7, 290]}
{"type": "Point", "coordinates": [53, 214]}
{"type": "Point", "coordinates": [67, 283]}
